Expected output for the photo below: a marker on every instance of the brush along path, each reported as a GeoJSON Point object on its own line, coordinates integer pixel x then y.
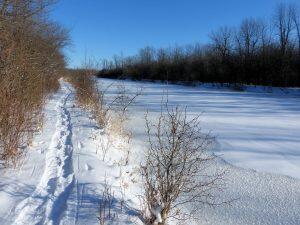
{"type": "Point", "coordinates": [48, 201]}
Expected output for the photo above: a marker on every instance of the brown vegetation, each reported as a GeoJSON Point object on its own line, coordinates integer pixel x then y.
{"type": "Point", "coordinates": [31, 62]}
{"type": "Point", "coordinates": [88, 95]}
{"type": "Point", "coordinates": [109, 113]}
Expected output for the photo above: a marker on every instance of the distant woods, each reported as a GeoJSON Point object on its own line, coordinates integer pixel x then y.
{"type": "Point", "coordinates": [256, 52]}
{"type": "Point", "coordinates": [31, 61]}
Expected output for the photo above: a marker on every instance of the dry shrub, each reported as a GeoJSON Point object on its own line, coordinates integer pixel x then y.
{"type": "Point", "coordinates": [88, 96]}
{"type": "Point", "coordinates": [175, 171]}
{"type": "Point", "coordinates": [118, 115]}
{"type": "Point", "coordinates": [110, 114]}
{"type": "Point", "coordinates": [118, 111]}
{"type": "Point", "coordinates": [30, 64]}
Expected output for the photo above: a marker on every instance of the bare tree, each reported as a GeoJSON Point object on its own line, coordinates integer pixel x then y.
{"type": "Point", "coordinates": [284, 25]}
{"type": "Point", "coordinates": [296, 20]}
{"type": "Point", "coordinates": [248, 37]}
{"type": "Point", "coordinates": [146, 55]}
{"type": "Point", "coordinates": [247, 43]}
{"type": "Point", "coordinates": [175, 171]}
{"type": "Point", "coordinates": [222, 41]}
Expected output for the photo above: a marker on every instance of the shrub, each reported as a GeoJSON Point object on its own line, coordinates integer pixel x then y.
{"type": "Point", "coordinates": [175, 171]}
{"type": "Point", "coordinates": [30, 65]}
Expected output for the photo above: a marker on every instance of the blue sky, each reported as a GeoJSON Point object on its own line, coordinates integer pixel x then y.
{"type": "Point", "coordinates": [102, 28]}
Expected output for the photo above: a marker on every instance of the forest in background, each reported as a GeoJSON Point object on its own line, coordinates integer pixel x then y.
{"type": "Point", "coordinates": [255, 53]}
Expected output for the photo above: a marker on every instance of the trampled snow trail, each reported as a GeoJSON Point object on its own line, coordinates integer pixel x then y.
{"type": "Point", "coordinates": [48, 201]}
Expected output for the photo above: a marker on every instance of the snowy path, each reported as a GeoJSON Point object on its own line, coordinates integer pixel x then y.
{"type": "Point", "coordinates": [46, 203]}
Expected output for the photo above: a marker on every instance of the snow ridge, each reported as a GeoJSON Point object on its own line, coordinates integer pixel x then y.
{"type": "Point", "coordinates": [48, 201]}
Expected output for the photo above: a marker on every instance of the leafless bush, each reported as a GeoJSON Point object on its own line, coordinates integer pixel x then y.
{"type": "Point", "coordinates": [175, 171]}
{"type": "Point", "coordinates": [118, 111]}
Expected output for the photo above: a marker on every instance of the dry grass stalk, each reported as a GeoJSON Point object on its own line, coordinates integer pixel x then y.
{"type": "Point", "coordinates": [106, 205]}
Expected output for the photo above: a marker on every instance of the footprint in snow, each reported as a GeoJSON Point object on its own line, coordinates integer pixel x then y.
{"type": "Point", "coordinates": [79, 145]}
{"type": "Point", "coordinates": [40, 150]}
{"type": "Point", "coordinates": [88, 167]}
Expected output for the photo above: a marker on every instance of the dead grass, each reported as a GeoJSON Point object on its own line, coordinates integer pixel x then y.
{"type": "Point", "coordinates": [88, 96]}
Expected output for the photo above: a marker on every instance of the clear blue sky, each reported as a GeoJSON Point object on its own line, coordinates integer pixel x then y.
{"type": "Point", "coordinates": [103, 28]}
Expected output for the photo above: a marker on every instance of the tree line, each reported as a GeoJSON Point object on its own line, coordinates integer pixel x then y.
{"type": "Point", "coordinates": [256, 52]}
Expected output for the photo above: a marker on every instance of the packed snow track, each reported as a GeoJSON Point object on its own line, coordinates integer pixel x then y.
{"type": "Point", "coordinates": [45, 204]}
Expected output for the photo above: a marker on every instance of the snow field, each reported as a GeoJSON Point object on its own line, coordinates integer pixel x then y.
{"type": "Point", "coordinates": [254, 132]}
{"type": "Point", "coordinates": [62, 180]}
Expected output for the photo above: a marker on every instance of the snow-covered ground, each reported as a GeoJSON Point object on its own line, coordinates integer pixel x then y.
{"type": "Point", "coordinates": [255, 131]}
{"type": "Point", "coordinates": [258, 131]}
{"type": "Point", "coordinates": [64, 175]}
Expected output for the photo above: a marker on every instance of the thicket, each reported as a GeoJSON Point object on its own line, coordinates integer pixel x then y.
{"type": "Point", "coordinates": [88, 95]}
{"type": "Point", "coordinates": [256, 52]}
{"type": "Point", "coordinates": [31, 61]}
